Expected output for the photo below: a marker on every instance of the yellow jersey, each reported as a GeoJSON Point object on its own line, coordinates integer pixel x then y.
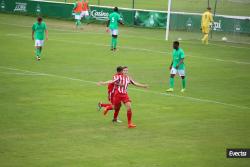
{"type": "Point", "coordinates": [207, 18]}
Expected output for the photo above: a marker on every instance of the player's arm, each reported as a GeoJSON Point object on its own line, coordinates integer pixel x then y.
{"type": "Point", "coordinates": [32, 36]}
{"type": "Point", "coordinates": [211, 20]}
{"type": "Point", "coordinates": [33, 32]}
{"type": "Point", "coordinates": [203, 19]}
{"type": "Point", "coordinates": [170, 67]}
{"type": "Point", "coordinates": [139, 84]}
{"type": "Point", "coordinates": [46, 32]}
{"type": "Point", "coordinates": [115, 79]}
{"type": "Point", "coordinates": [107, 26]}
{"type": "Point", "coordinates": [105, 82]}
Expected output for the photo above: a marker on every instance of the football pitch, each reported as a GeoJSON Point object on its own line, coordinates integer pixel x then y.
{"type": "Point", "coordinates": [48, 113]}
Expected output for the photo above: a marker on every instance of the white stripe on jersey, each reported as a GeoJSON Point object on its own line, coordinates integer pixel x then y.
{"type": "Point", "coordinates": [124, 81]}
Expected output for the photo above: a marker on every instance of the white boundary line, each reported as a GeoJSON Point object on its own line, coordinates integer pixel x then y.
{"type": "Point", "coordinates": [137, 49]}
{"type": "Point", "coordinates": [76, 32]}
{"type": "Point", "coordinates": [140, 90]}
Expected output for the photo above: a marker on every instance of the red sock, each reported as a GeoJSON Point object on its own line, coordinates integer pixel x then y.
{"type": "Point", "coordinates": [104, 105]}
{"type": "Point", "coordinates": [129, 116]}
{"type": "Point", "coordinates": [110, 107]}
{"type": "Point", "coordinates": [117, 109]}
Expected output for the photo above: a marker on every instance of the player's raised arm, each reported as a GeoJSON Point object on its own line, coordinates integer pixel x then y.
{"type": "Point", "coordinates": [138, 84]}
{"type": "Point", "coordinates": [105, 82]}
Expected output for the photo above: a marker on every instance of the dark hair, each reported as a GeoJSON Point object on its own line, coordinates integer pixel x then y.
{"type": "Point", "coordinates": [208, 8]}
{"type": "Point", "coordinates": [119, 69]}
{"type": "Point", "coordinates": [116, 9]}
{"type": "Point", "coordinates": [125, 67]}
{"type": "Point", "coordinates": [176, 43]}
{"type": "Point", "coordinates": [39, 19]}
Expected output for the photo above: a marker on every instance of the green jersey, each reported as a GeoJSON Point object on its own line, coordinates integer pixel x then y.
{"type": "Point", "coordinates": [177, 56]}
{"type": "Point", "coordinates": [114, 20]}
{"type": "Point", "coordinates": [39, 30]}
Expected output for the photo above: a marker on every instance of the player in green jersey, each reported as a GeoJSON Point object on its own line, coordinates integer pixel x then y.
{"type": "Point", "coordinates": [112, 26]}
{"type": "Point", "coordinates": [177, 66]}
{"type": "Point", "coordinates": [38, 30]}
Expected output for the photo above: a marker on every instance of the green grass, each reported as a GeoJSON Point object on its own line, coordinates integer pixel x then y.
{"type": "Point", "coordinates": [51, 120]}
{"type": "Point", "coordinates": [227, 7]}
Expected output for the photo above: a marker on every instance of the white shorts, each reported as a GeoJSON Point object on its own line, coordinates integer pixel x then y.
{"type": "Point", "coordinates": [39, 42]}
{"type": "Point", "coordinates": [77, 16]}
{"type": "Point", "coordinates": [84, 14]}
{"type": "Point", "coordinates": [114, 32]}
{"type": "Point", "coordinates": [174, 71]}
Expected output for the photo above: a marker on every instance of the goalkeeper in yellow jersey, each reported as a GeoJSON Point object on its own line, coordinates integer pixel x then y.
{"type": "Point", "coordinates": [206, 21]}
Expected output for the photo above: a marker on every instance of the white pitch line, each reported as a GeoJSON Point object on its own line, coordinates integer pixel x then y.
{"type": "Point", "coordinates": [28, 74]}
{"type": "Point", "coordinates": [133, 48]}
{"type": "Point", "coordinates": [62, 30]}
{"type": "Point", "coordinates": [140, 90]}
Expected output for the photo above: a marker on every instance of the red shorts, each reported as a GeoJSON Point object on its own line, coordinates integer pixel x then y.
{"type": "Point", "coordinates": [118, 98]}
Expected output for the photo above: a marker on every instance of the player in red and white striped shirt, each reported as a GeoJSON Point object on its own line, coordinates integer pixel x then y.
{"type": "Point", "coordinates": [111, 92]}
{"type": "Point", "coordinates": [121, 95]}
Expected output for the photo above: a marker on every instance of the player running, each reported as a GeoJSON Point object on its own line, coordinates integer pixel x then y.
{"type": "Point", "coordinates": [112, 26]}
{"type": "Point", "coordinates": [121, 95]}
{"type": "Point", "coordinates": [38, 29]}
{"type": "Point", "coordinates": [177, 66]}
{"type": "Point", "coordinates": [111, 91]}
{"type": "Point", "coordinates": [77, 9]}
{"type": "Point", "coordinates": [206, 21]}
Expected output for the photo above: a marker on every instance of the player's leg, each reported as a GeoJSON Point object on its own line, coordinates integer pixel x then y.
{"type": "Point", "coordinates": [183, 79]}
{"type": "Point", "coordinates": [37, 52]}
{"type": "Point", "coordinates": [114, 39]}
{"type": "Point", "coordinates": [78, 20]}
{"type": "Point", "coordinates": [129, 115]}
{"type": "Point", "coordinates": [203, 32]}
{"type": "Point", "coordinates": [108, 108]}
{"type": "Point", "coordinates": [127, 102]}
{"type": "Point", "coordinates": [117, 107]}
{"type": "Point", "coordinates": [40, 51]}
{"type": "Point", "coordinates": [86, 16]}
{"type": "Point", "coordinates": [173, 72]}
{"type": "Point", "coordinates": [38, 46]}
{"type": "Point", "coordinates": [205, 37]}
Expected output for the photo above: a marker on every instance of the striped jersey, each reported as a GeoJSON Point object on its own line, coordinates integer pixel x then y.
{"type": "Point", "coordinates": [122, 82]}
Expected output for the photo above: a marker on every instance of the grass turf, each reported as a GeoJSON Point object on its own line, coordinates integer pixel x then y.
{"type": "Point", "coordinates": [48, 108]}
{"type": "Point", "coordinates": [227, 7]}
